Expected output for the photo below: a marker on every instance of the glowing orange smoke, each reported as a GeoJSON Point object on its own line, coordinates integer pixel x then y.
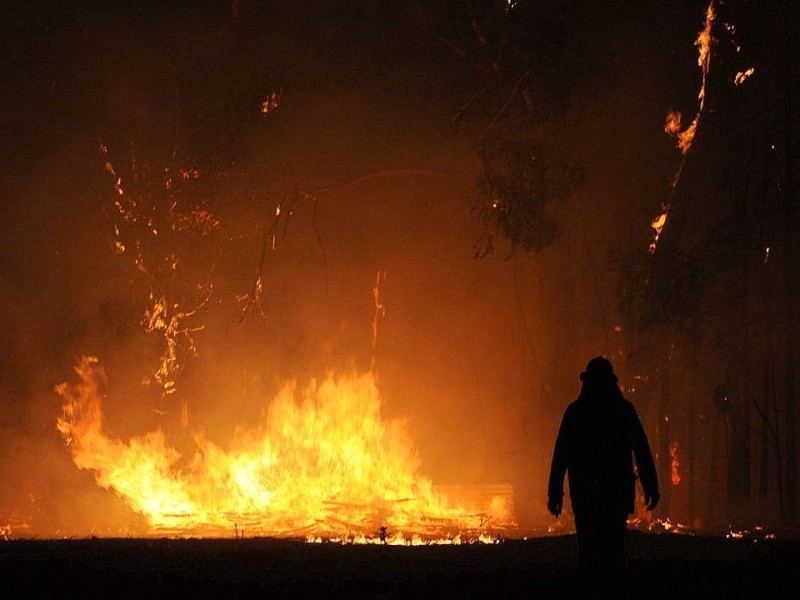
{"type": "Point", "coordinates": [320, 463]}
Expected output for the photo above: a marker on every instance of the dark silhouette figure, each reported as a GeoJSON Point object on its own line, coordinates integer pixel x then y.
{"type": "Point", "coordinates": [599, 438]}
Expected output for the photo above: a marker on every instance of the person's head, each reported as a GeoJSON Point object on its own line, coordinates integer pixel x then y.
{"type": "Point", "coordinates": [599, 374]}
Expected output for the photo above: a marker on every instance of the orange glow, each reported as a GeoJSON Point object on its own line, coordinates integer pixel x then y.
{"type": "Point", "coordinates": [673, 451]}
{"type": "Point", "coordinates": [321, 463]}
{"type": "Point", "coordinates": [270, 102]}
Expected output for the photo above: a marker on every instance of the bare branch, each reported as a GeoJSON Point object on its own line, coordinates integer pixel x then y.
{"type": "Point", "coordinates": [286, 209]}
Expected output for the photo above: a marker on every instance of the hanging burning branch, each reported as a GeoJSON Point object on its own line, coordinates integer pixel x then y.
{"type": "Point", "coordinates": [150, 220]}
{"type": "Point", "coordinates": [253, 301]}
{"type": "Point", "coordinates": [285, 210]}
{"type": "Point", "coordinates": [166, 319]}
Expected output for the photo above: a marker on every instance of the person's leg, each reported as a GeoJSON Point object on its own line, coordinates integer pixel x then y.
{"type": "Point", "coordinates": [606, 556]}
{"type": "Point", "coordinates": [589, 532]}
{"type": "Point", "coordinates": [615, 534]}
{"type": "Point", "coordinates": [586, 535]}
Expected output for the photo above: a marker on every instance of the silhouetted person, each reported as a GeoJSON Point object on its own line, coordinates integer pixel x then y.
{"type": "Point", "coordinates": [598, 441]}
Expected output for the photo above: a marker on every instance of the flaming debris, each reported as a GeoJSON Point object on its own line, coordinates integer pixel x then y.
{"type": "Point", "coordinates": [321, 464]}
{"type": "Point", "coordinates": [271, 101]}
{"type": "Point", "coordinates": [662, 526]}
{"type": "Point", "coordinates": [758, 532]}
{"type": "Point", "coordinates": [658, 226]}
{"type": "Point", "coordinates": [743, 76]}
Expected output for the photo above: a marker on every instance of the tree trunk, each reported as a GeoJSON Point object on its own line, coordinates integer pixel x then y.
{"type": "Point", "coordinates": [691, 466]}
{"type": "Point", "coordinates": [789, 40]}
{"type": "Point", "coordinates": [763, 463]}
{"type": "Point", "coordinates": [664, 458]}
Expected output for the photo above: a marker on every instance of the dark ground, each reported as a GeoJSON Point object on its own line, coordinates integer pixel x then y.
{"type": "Point", "coordinates": [661, 566]}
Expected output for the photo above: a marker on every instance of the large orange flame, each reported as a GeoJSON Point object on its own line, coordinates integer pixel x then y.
{"type": "Point", "coordinates": [320, 463]}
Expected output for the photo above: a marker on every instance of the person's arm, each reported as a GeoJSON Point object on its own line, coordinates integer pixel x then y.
{"type": "Point", "coordinates": [558, 468]}
{"type": "Point", "coordinates": [645, 465]}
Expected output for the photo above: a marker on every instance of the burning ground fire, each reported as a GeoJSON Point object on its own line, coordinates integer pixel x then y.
{"type": "Point", "coordinates": [321, 464]}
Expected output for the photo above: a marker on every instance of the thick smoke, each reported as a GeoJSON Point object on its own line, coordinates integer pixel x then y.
{"type": "Point", "coordinates": [373, 180]}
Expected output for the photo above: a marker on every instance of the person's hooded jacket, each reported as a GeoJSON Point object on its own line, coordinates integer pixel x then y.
{"type": "Point", "coordinates": [599, 441]}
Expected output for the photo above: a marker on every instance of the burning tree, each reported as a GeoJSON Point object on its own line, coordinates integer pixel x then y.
{"type": "Point", "coordinates": [718, 274]}
{"type": "Point", "coordinates": [716, 290]}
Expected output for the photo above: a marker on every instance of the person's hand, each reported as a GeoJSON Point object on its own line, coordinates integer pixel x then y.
{"type": "Point", "coordinates": [554, 505]}
{"type": "Point", "coordinates": [651, 500]}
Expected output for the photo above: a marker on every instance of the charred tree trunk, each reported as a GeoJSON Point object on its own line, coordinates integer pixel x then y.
{"type": "Point", "coordinates": [739, 465]}
{"type": "Point", "coordinates": [790, 22]}
{"type": "Point", "coordinates": [777, 446]}
{"type": "Point", "coordinates": [738, 461]}
{"type": "Point", "coordinates": [712, 508]}
{"type": "Point", "coordinates": [765, 437]}
{"type": "Point", "coordinates": [691, 465]}
{"type": "Point", "coordinates": [664, 458]}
